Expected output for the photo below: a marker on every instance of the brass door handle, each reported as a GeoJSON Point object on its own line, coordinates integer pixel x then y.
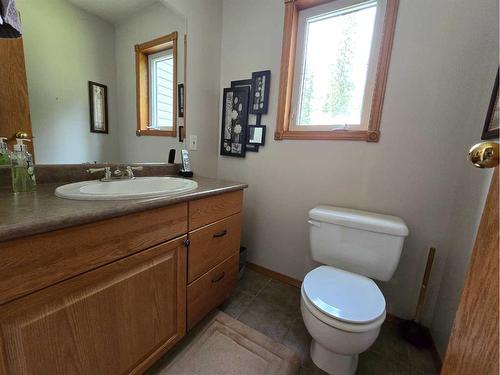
{"type": "Point", "coordinates": [484, 155]}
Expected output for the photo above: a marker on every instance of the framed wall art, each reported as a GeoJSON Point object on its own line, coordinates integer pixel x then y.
{"type": "Point", "coordinates": [259, 97]}
{"type": "Point", "coordinates": [234, 121]}
{"type": "Point", "coordinates": [180, 99]}
{"type": "Point", "coordinates": [257, 135]}
{"type": "Point", "coordinates": [491, 125]}
{"type": "Point", "coordinates": [98, 103]}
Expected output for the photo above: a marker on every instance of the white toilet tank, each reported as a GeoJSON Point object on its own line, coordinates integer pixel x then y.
{"type": "Point", "coordinates": [362, 242]}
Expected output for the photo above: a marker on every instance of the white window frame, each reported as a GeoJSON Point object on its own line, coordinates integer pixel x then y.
{"type": "Point", "coordinates": [315, 12]}
{"type": "Point", "coordinates": [152, 59]}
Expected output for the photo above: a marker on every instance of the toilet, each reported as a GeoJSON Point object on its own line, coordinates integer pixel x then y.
{"type": "Point", "coordinates": [342, 307]}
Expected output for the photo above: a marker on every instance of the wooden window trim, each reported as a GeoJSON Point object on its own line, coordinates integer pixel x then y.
{"type": "Point", "coordinates": [142, 51]}
{"type": "Point", "coordinates": [372, 134]}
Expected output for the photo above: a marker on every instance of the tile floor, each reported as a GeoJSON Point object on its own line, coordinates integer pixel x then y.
{"type": "Point", "coordinates": [273, 308]}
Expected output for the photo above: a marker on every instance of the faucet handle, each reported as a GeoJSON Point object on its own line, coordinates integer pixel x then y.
{"type": "Point", "coordinates": [138, 168]}
{"type": "Point", "coordinates": [130, 170]}
{"type": "Point", "coordinates": [106, 170]}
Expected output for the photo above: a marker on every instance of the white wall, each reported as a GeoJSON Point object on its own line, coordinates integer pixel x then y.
{"type": "Point", "coordinates": [444, 61]}
{"type": "Point", "coordinates": [203, 79]}
{"type": "Point", "coordinates": [149, 23]}
{"type": "Point", "coordinates": [475, 28]}
{"type": "Point", "coordinates": [65, 47]}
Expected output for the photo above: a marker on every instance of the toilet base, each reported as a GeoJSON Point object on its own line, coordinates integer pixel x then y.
{"type": "Point", "coordinates": [333, 363]}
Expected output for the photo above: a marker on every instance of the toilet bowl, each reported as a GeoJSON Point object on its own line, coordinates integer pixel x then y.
{"type": "Point", "coordinates": [342, 307]}
{"type": "Point", "coordinates": [343, 313]}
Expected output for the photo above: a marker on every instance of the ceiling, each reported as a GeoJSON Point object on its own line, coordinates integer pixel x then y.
{"type": "Point", "coordinates": [112, 10]}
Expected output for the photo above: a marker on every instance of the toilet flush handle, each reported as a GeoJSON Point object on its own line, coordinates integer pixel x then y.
{"type": "Point", "coordinates": [314, 223]}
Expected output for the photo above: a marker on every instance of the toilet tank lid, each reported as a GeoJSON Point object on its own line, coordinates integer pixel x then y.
{"type": "Point", "coordinates": [358, 219]}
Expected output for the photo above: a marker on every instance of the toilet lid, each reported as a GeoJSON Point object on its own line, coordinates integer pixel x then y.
{"type": "Point", "coordinates": [344, 295]}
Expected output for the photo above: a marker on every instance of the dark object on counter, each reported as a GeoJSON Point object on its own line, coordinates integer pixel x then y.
{"type": "Point", "coordinates": [185, 173]}
{"type": "Point", "coordinates": [411, 330]}
{"type": "Point", "coordinates": [171, 156]}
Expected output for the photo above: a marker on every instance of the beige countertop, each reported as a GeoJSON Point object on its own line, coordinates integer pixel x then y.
{"type": "Point", "coordinates": [26, 214]}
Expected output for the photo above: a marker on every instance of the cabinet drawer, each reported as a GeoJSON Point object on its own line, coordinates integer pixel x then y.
{"type": "Point", "coordinates": [212, 244]}
{"type": "Point", "coordinates": [207, 210]}
{"type": "Point", "coordinates": [32, 263]}
{"type": "Point", "coordinates": [210, 290]}
{"type": "Point", "coordinates": [117, 319]}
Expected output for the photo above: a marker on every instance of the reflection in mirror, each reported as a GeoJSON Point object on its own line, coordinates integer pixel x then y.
{"type": "Point", "coordinates": [74, 47]}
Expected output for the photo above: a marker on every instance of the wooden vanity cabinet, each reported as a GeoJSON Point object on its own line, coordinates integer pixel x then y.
{"type": "Point", "coordinates": [111, 297]}
{"type": "Point", "coordinates": [113, 320]}
{"type": "Point", "coordinates": [213, 253]}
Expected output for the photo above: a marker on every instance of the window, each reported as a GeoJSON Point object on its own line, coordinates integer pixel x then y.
{"type": "Point", "coordinates": [161, 90]}
{"type": "Point", "coordinates": [334, 68]}
{"type": "Point", "coordinates": [156, 70]}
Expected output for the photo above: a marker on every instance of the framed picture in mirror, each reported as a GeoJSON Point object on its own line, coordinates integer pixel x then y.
{"type": "Point", "coordinates": [257, 135]}
{"type": "Point", "coordinates": [180, 99]}
{"type": "Point", "coordinates": [98, 103]}
{"type": "Point", "coordinates": [491, 126]}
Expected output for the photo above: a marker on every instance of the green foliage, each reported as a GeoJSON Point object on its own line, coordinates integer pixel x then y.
{"type": "Point", "coordinates": [307, 97]}
{"type": "Point", "coordinates": [341, 84]}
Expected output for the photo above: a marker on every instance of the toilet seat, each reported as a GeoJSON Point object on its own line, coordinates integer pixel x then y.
{"type": "Point", "coordinates": [343, 299]}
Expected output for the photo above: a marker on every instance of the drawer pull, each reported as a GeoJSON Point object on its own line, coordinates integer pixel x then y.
{"type": "Point", "coordinates": [216, 280]}
{"type": "Point", "coordinates": [220, 234]}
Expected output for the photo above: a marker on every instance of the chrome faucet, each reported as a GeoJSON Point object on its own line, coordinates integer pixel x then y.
{"type": "Point", "coordinates": [117, 174]}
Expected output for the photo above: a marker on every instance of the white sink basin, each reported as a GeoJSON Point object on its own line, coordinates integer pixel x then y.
{"type": "Point", "coordinates": [139, 187]}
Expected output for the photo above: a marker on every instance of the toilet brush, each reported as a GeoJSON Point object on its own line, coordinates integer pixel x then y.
{"type": "Point", "coordinates": [411, 330]}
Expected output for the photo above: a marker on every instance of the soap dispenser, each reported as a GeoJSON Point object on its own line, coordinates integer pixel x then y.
{"type": "Point", "coordinates": [23, 171]}
{"type": "Point", "coordinates": [5, 154]}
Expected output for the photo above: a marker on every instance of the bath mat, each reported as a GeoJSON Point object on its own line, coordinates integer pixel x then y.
{"type": "Point", "coordinates": [229, 347]}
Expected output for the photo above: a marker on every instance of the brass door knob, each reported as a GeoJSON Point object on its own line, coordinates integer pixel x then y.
{"type": "Point", "coordinates": [484, 155]}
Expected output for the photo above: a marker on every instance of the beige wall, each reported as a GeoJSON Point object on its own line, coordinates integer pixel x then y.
{"type": "Point", "coordinates": [147, 24]}
{"type": "Point", "coordinates": [203, 79]}
{"type": "Point", "coordinates": [444, 61]}
{"type": "Point", "coordinates": [65, 47]}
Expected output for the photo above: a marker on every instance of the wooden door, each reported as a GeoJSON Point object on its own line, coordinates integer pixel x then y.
{"type": "Point", "coordinates": [117, 319]}
{"type": "Point", "coordinates": [14, 103]}
{"type": "Point", "coordinates": [473, 347]}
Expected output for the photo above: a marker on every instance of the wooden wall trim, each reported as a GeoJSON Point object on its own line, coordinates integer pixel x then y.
{"type": "Point", "coordinates": [372, 134]}
{"type": "Point", "coordinates": [274, 275]}
{"type": "Point", "coordinates": [142, 51]}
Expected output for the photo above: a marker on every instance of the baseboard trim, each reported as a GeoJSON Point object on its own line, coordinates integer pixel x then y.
{"type": "Point", "coordinates": [274, 275]}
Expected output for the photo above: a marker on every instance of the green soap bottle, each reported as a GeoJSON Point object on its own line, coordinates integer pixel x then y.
{"type": "Point", "coordinates": [4, 152]}
{"type": "Point", "coordinates": [23, 170]}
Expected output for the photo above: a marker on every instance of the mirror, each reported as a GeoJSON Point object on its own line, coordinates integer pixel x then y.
{"type": "Point", "coordinates": [104, 79]}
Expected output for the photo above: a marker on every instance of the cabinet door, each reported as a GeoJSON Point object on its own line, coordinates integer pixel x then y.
{"type": "Point", "coordinates": [117, 319]}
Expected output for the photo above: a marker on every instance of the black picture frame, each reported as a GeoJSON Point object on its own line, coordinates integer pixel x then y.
{"type": "Point", "coordinates": [492, 117]}
{"type": "Point", "coordinates": [94, 126]}
{"type": "Point", "coordinates": [251, 130]}
{"type": "Point", "coordinates": [252, 147]}
{"type": "Point", "coordinates": [242, 83]}
{"type": "Point", "coordinates": [234, 121]}
{"type": "Point", "coordinates": [180, 99]}
{"type": "Point", "coordinates": [259, 96]}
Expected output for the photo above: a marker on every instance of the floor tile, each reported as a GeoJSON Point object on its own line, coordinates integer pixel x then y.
{"type": "Point", "coordinates": [298, 339]}
{"type": "Point", "coordinates": [269, 318]}
{"type": "Point", "coordinates": [237, 303]}
{"type": "Point", "coordinates": [389, 344]}
{"type": "Point", "coordinates": [373, 363]}
{"type": "Point", "coordinates": [421, 361]}
{"type": "Point", "coordinates": [252, 282]}
{"type": "Point", "coordinates": [284, 296]}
